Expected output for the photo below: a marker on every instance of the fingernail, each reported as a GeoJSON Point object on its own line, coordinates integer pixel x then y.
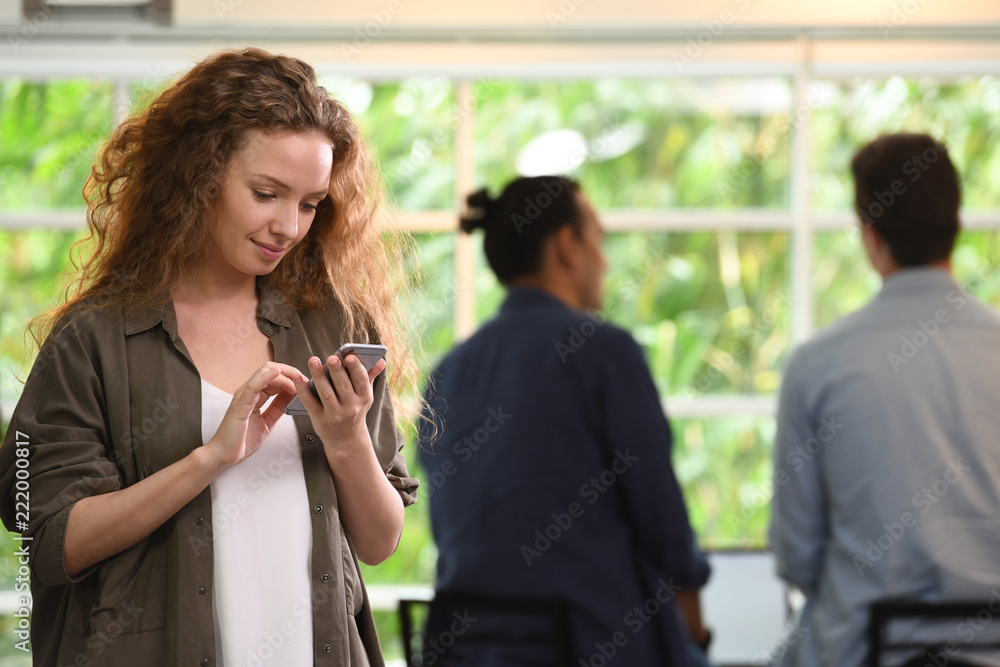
{"type": "Point", "coordinates": [303, 378]}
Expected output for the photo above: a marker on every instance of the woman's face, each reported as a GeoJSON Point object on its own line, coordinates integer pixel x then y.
{"type": "Point", "coordinates": [269, 195]}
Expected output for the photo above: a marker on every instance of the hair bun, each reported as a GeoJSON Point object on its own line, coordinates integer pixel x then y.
{"type": "Point", "coordinates": [481, 210]}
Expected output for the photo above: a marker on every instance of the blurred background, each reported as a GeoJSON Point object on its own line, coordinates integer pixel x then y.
{"type": "Point", "coordinates": [714, 138]}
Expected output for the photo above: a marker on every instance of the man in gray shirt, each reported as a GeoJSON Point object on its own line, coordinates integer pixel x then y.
{"type": "Point", "coordinates": [887, 459]}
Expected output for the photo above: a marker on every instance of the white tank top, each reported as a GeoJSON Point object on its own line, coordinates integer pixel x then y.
{"type": "Point", "coordinates": [262, 538]}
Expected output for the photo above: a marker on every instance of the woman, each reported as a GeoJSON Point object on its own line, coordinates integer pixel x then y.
{"type": "Point", "coordinates": [175, 519]}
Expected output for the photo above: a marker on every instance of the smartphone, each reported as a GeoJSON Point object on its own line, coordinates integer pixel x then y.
{"type": "Point", "coordinates": [368, 355]}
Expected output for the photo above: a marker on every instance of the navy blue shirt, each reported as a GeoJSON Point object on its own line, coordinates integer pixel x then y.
{"type": "Point", "coordinates": [550, 476]}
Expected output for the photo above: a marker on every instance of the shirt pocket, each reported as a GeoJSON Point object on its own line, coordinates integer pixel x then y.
{"type": "Point", "coordinates": [127, 594]}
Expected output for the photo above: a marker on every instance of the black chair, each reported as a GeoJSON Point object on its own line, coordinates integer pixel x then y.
{"type": "Point", "coordinates": [884, 612]}
{"type": "Point", "coordinates": [551, 632]}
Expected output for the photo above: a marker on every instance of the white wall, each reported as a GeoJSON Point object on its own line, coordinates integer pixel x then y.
{"type": "Point", "coordinates": [528, 13]}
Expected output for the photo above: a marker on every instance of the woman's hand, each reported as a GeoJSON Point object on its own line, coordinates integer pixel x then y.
{"type": "Point", "coordinates": [339, 414]}
{"type": "Point", "coordinates": [370, 508]}
{"type": "Point", "coordinates": [244, 426]}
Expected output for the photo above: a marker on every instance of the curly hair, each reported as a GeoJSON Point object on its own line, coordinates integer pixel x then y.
{"type": "Point", "coordinates": [152, 194]}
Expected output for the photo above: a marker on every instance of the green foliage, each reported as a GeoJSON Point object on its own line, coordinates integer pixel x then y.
{"type": "Point", "coordinates": [32, 265]}
{"type": "Point", "coordinates": [962, 114]}
{"type": "Point", "coordinates": [650, 143]}
{"type": "Point", "coordinates": [711, 309]}
{"type": "Point", "coordinates": [49, 135]}
{"type": "Point", "coordinates": [411, 125]}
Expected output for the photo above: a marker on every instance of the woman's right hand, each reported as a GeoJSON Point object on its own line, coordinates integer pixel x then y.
{"type": "Point", "coordinates": [244, 427]}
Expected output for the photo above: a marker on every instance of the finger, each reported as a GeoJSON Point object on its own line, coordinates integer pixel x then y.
{"type": "Point", "coordinates": [322, 385]}
{"type": "Point", "coordinates": [262, 377]}
{"type": "Point", "coordinates": [277, 382]}
{"type": "Point", "coordinates": [376, 369]}
{"type": "Point", "coordinates": [246, 398]}
{"type": "Point", "coordinates": [276, 410]}
{"type": "Point", "coordinates": [358, 375]}
{"type": "Point", "coordinates": [290, 372]}
{"type": "Point", "coordinates": [339, 373]}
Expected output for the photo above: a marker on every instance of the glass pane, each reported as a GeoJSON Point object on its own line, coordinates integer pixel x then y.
{"type": "Point", "coordinates": [724, 467]}
{"type": "Point", "coordinates": [411, 125]}
{"type": "Point", "coordinates": [641, 143]}
{"type": "Point", "coordinates": [961, 113]}
{"type": "Point", "coordinates": [430, 307]}
{"type": "Point", "coordinates": [49, 137]}
{"type": "Point", "coordinates": [976, 263]}
{"type": "Point", "coordinates": [30, 265]}
{"type": "Point", "coordinates": [415, 559]}
{"type": "Point", "coordinates": [711, 309]}
{"type": "Point", "coordinates": [844, 281]}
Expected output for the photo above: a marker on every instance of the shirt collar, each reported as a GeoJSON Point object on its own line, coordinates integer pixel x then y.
{"type": "Point", "coordinates": [273, 307]}
{"type": "Point", "coordinates": [916, 279]}
{"type": "Point", "coordinates": [524, 298]}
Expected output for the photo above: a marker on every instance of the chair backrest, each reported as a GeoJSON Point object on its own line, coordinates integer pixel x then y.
{"type": "Point", "coordinates": [550, 631]}
{"type": "Point", "coordinates": [938, 647]}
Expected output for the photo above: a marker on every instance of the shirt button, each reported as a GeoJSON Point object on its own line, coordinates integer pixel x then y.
{"type": "Point", "coordinates": [200, 520]}
{"type": "Point", "coordinates": [327, 649]}
{"type": "Point", "coordinates": [310, 439]}
{"type": "Point", "coordinates": [201, 590]}
{"type": "Point", "coordinates": [204, 662]}
{"type": "Point", "coordinates": [318, 509]}
{"type": "Point", "coordinates": [325, 578]}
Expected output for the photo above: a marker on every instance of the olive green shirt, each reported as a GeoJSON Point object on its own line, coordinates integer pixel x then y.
{"type": "Point", "coordinates": [114, 397]}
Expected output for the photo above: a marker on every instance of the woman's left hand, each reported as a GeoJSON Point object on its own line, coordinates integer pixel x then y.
{"type": "Point", "coordinates": [339, 414]}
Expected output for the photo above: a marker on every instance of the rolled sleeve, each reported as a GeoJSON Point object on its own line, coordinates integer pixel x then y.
{"type": "Point", "coordinates": [637, 428]}
{"type": "Point", "coordinates": [61, 421]}
{"type": "Point", "coordinates": [388, 442]}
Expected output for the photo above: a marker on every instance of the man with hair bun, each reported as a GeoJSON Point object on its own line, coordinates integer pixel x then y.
{"type": "Point", "coordinates": [887, 470]}
{"type": "Point", "coordinates": [548, 457]}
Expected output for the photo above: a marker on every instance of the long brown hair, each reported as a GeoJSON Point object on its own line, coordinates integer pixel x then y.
{"type": "Point", "coordinates": [152, 193]}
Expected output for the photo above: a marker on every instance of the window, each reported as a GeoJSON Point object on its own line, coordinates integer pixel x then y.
{"type": "Point", "coordinates": [727, 201]}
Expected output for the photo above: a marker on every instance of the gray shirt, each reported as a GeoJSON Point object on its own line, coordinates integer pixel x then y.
{"type": "Point", "coordinates": [887, 464]}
